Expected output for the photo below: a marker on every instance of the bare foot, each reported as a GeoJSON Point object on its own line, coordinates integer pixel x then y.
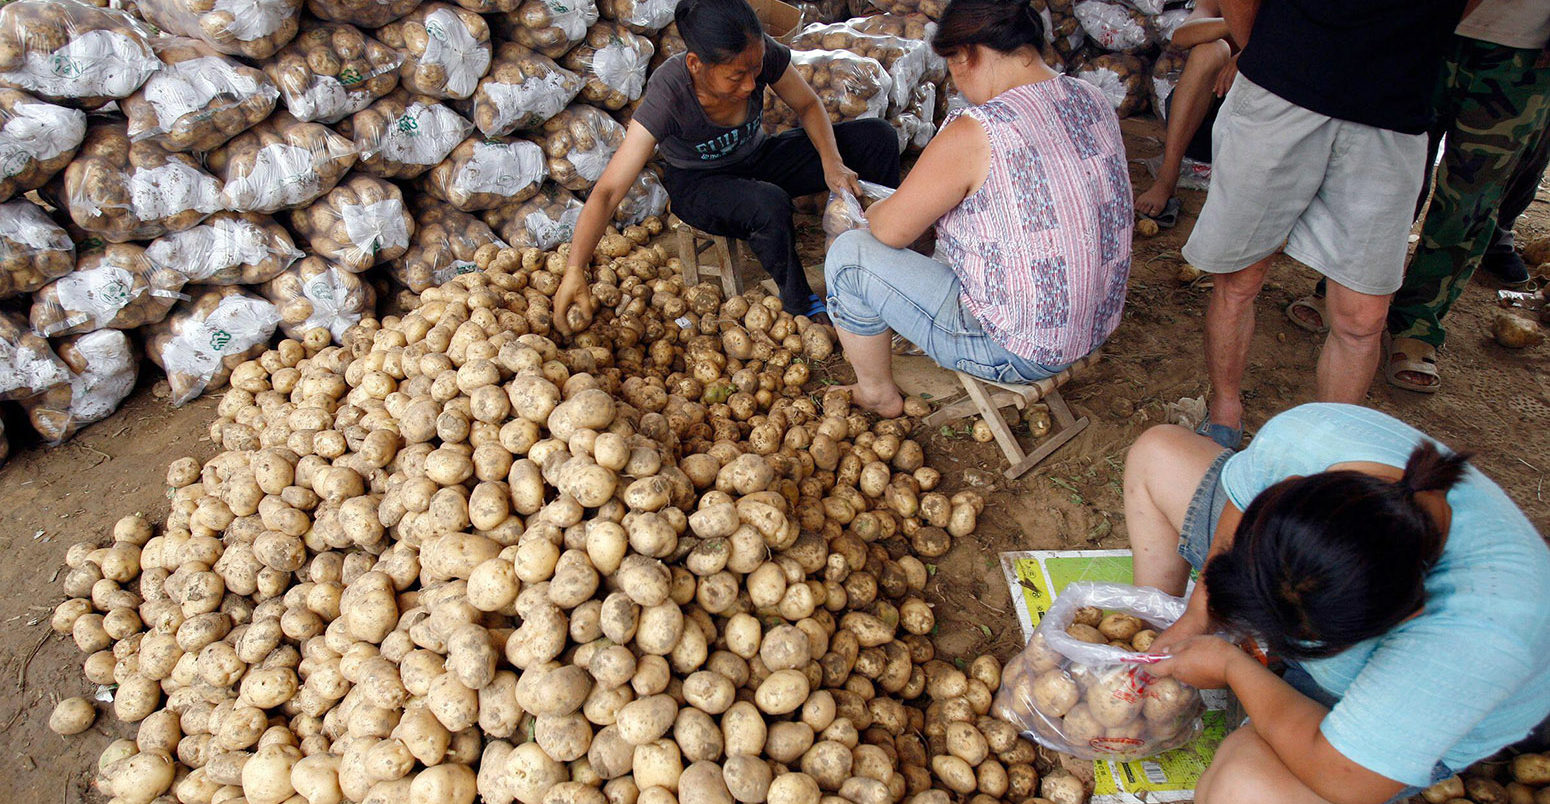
{"type": "Point", "coordinates": [1154, 199]}
{"type": "Point", "coordinates": [889, 404]}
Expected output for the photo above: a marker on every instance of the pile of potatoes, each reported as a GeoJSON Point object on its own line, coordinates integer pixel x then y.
{"type": "Point", "coordinates": [404, 135]}
{"type": "Point", "coordinates": [114, 287]}
{"type": "Point", "coordinates": [253, 29]}
{"type": "Point", "coordinates": [522, 90]}
{"type": "Point", "coordinates": [578, 142]}
{"type": "Point", "coordinates": [73, 53]}
{"type": "Point", "coordinates": [612, 62]}
{"type": "Point", "coordinates": [446, 50]}
{"type": "Point", "coordinates": [487, 172]}
{"type": "Point", "coordinates": [34, 250]}
{"type": "Point", "coordinates": [850, 87]}
{"type": "Point", "coordinates": [332, 71]}
{"type": "Point", "coordinates": [358, 224]}
{"type": "Point", "coordinates": [456, 558]}
{"type": "Point", "coordinates": [550, 27]}
{"type": "Point", "coordinates": [281, 163]}
{"type": "Point", "coordinates": [124, 190]}
{"type": "Point", "coordinates": [199, 99]}
{"type": "Point", "coordinates": [1522, 779]}
{"type": "Point", "coordinates": [37, 140]}
{"type": "Point", "coordinates": [228, 248]}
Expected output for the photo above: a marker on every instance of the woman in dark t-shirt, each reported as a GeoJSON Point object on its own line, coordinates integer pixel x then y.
{"type": "Point", "coordinates": [703, 111]}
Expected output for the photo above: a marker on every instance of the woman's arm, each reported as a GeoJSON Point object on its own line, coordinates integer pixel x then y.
{"type": "Point", "coordinates": [793, 89]}
{"type": "Point", "coordinates": [951, 167]}
{"type": "Point", "coordinates": [621, 172]}
{"type": "Point", "coordinates": [1284, 718]}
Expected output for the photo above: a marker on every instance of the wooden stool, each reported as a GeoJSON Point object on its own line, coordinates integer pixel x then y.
{"type": "Point", "coordinates": [729, 252]}
{"type": "Point", "coordinates": [987, 398]}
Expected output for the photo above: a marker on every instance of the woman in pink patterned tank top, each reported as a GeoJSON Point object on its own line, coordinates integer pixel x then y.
{"type": "Point", "coordinates": [1030, 195]}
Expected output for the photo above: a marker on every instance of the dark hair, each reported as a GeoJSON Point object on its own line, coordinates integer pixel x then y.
{"type": "Point", "coordinates": [717, 30]}
{"type": "Point", "coordinates": [1322, 562]}
{"type": "Point", "coordinates": [1005, 26]}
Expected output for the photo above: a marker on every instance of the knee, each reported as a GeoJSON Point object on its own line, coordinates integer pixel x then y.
{"type": "Point", "coordinates": [1239, 288]}
{"type": "Point", "coordinates": [771, 209]}
{"type": "Point", "coordinates": [1149, 457]}
{"type": "Point", "coordinates": [1211, 55]}
{"type": "Point", "coordinates": [1238, 774]}
{"type": "Point", "coordinates": [1361, 322]}
{"type": "Point", "coordinates": [877, 132]}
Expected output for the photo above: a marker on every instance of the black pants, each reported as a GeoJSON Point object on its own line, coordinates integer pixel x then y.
{"type": "Point", "coordinates": [752, 199]}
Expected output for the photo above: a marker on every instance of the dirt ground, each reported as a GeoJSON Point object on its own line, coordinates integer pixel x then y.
{"type": "Point", "coordinates": [1494, 401]}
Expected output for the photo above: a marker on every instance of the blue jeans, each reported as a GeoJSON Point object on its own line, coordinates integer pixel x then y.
{"type": "Point", "coordinates": [874, 288]}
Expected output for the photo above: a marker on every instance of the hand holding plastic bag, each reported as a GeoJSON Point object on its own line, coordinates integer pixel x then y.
{"type": "Point", "coordinates": [845, 211]}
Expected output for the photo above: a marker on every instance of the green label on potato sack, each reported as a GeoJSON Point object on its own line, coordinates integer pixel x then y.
{"type": "Point", "coordinates": [219, 338]}
{"type": "Point", "coordinates": [349, 76]}
{"type": "Point", "coordinates": [408, 124]}
{"type": "Point", "coordinates": [65, 66]}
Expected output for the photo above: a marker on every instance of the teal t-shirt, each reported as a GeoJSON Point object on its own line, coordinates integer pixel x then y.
{"type": "Point", "coordinates": [1471, 674]}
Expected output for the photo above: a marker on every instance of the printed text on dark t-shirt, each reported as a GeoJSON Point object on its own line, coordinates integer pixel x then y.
{"type": "Point", "coordinates": [720, 146]}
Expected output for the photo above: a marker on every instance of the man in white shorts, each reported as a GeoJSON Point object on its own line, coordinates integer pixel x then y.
{"type": "Point", "coordinates": [1318, 152]}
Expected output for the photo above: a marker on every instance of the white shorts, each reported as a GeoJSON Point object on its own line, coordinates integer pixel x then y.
{"type": "Point", "coordinates": [1339, 195]}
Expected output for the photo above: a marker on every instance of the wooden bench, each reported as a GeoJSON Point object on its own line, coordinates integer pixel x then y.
{"type": "Point", "coordinates": [729, 254]}
{"type": "Point", "coordinates": [987, 398]}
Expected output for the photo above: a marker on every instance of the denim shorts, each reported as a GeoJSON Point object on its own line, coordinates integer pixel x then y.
{"type": "Point", "coordinates": [873, 288]}
{"type": "Point", "coordinates": [1205, 509]}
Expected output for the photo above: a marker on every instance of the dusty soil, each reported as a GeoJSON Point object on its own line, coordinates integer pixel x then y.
{"type": "Point", "coordinates": [1494, 401]}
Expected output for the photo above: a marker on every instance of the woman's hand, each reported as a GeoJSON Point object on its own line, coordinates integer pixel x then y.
{"type": "Point", "coordinates": [1200, 661]}
{"type": "Point", "coordinates": [573, 291]}
{"type": "Point", "coordinates": [1195, 622]}
{"type": "Point", "coordinates": [841, 178]}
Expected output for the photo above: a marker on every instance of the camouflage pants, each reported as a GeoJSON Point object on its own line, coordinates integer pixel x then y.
{"type": "Point", "coordinates": [1491, 104]}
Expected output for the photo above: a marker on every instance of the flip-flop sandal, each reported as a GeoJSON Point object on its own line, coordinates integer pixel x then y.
{"type": "Point", "coordinates": [1225, 437]}
{"type": "Point", "coordinates": [1168, 218]}
{"type": "Point", "coordinates": [1314, 305]}
{"type": "Point", "coordinates": [1415, 357]}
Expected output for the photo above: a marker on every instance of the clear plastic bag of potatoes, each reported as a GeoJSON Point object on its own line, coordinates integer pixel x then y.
{"type": "Point", "coordinates": [37, 140]}
{"type": "Point", "coordinates": [929, 8]}
{"type": "Point", "coordinates": [905, 60]}
{"type": "Point", "coordinates": [1072, 689]}
{"type": "Point", "coordinates": [103, 369]}
{"type": "Point", "coordinates": [914, 122]}
{"type": "Point", "coordinates": [254, 29]}
{"type": "Point", "coordinates": [281, 163]}
{"type": "Point", "coordinates": [74, 53]}
{"type": "Point", "coordinates": [522, 90]}
{"type": "Point", "coordinates": [550, 27]}
{"type": "Point", "coordinates": [845, 211]}
{"type": "Point", "coordinates": [483, 173]}
{"type": "Point", "coordinates": [228, 248]}
{"type": "Point", "coordinates": [198, 100]}
{"type": "Point", "coordinates": [362, 13]}
{"type": "Point", "coordinates": [315, 293]}
{"type": "Point", "coordinates": [542, 222]}
{"type": "Point", "coordinates": [115, 287]}
{"type": "Point", "coordinates": [28, 365]}
{"type": "Point", "coordinates": [358, 224]}
{"type": "Point", "coordinates": [125, 190]}
{"type": "Point", "coordinates": [34, 250]}
{"type": "Point", "coordinates": [331, 71]}
{"type": "Point", "coordinates": [446, 50]}
{"type": "Point", "coordinates": [850, 87]}
{"type": "Point", "coordinates": [612, 60]}
{"type": "Point", "coordinates": [404, 135]}
{"type": "Point", "coordinates": [447, 243]}
{"type": "Point", "coordinates": [669, 44]}
{"type": "Point", "coordinates": [1123, 78]}
{"type": "Point", "coordinates": [578, 143]}
{"type": "Point", "coordinates": [1115, 26]}
{"type": "Point", "coordinates": [646, 197]}
{"type": "Point", "coordinates": [641, 16]}
{"type": "Point", "coordinates": [207, 336]}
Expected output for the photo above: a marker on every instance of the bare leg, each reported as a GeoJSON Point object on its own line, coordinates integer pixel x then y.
{"type": "Point", "coordinates": [872, 358]}
{"type": "Point", "coordinates": [1191, 101]}
{"type": "Point", "coordinates": [1162, 470]}
{"type": "Point", "coordinates": [1247, 771]}
{"type": "Point", "coordinates": [1354, 345]}
{"type": "Point", "coordinates": [1229, 329]}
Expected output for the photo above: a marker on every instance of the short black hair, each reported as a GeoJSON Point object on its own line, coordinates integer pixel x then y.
{"type": "Point", "coordinates": [1322, 562]}
{"type": "Point", "coordinates": [1005, 26]}
{"type": "Point", "coordinates": [717, 30]}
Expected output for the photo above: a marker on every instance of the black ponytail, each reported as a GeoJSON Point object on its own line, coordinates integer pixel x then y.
{"type": "Point", "coordinates": [717, 30]}
{"type": "Point", "coordinates": [1322, 562]}
{"type": "Point", "coordinates": [1005, 26]}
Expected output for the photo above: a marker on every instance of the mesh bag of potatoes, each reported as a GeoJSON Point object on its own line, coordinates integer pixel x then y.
{"type": "Point", "coordinates": [115, 287]}
{"type": "Point", "coordinates": [446, 50]}
{"type": "Point", "coordinates": [484, 173]}
{"type": "Point", "coordinates": [645, 198]}
{"type": "Point", "coordinates": [550, 27]}
{"type": "Point", "coordinates": [358, 224]}
{"type": "Point", "coordinates": [1115, 26]}
{"type": "Point", "coordinates": [228, 248]}
{"type": "Point", "coordinates": [74, 53]}
{"type": "Point", "coordinates": [641, 16]}
{"type": "Point", "coordinates": [543, 222]}
{"type": "Point", "coordinates": [34, 250]}
{"type": "Point", "coordinates": [207, 336]}
{"type": "Point", "coordinates": [1123, 78]}
{"type": "Point", "coordinates": [37, 140]}
{"type": "Point", "coordinates": [103, 369]}
{"type": "Point", "coordinates": [315, 293]}
{"type": "Point", "coordinates": [331, 71]}
{"type": "Point", "coordinates": [612, 60]}
{"type": "Point", "coordinates": [362, 13]}
{"type": "Point", "coordinates": [28, 365]}
{"type": "Point", "coordinates": [125, 190]}
{"type": "Point", "coordinates": [281, 163]}
{"type": "Point", "coordinates": [578, 142]}
{"type": "Point", "coordinates": [931, 9]}
{"type": "Point", "coordinates": [253, 29]}
{"type": "Point", "coordinates": [850, 87]}
{"type": "Point", "coordinates": [404, 135]}
{"type": "Point", "coordinates": [904, 59]}
{"type": "Point", "coordinates": [447, 243]}
{"type": "Point", "coordinates": [198, 100]}
{"type": "Point", "coordinates": [1077, 688]}
{"type": "Point", "coordinates": [523, 89]}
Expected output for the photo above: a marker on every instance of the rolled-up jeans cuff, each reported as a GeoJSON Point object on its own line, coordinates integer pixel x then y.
{"type": "Point", "coordinates": [844, 319]}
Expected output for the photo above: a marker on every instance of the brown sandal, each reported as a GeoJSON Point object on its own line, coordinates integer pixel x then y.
{"type": "Point", "coordinates": [1408, 355]}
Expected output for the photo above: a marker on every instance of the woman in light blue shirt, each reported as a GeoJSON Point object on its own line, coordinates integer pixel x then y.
{"type": "Point", "coordinates": [1409, 595]}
